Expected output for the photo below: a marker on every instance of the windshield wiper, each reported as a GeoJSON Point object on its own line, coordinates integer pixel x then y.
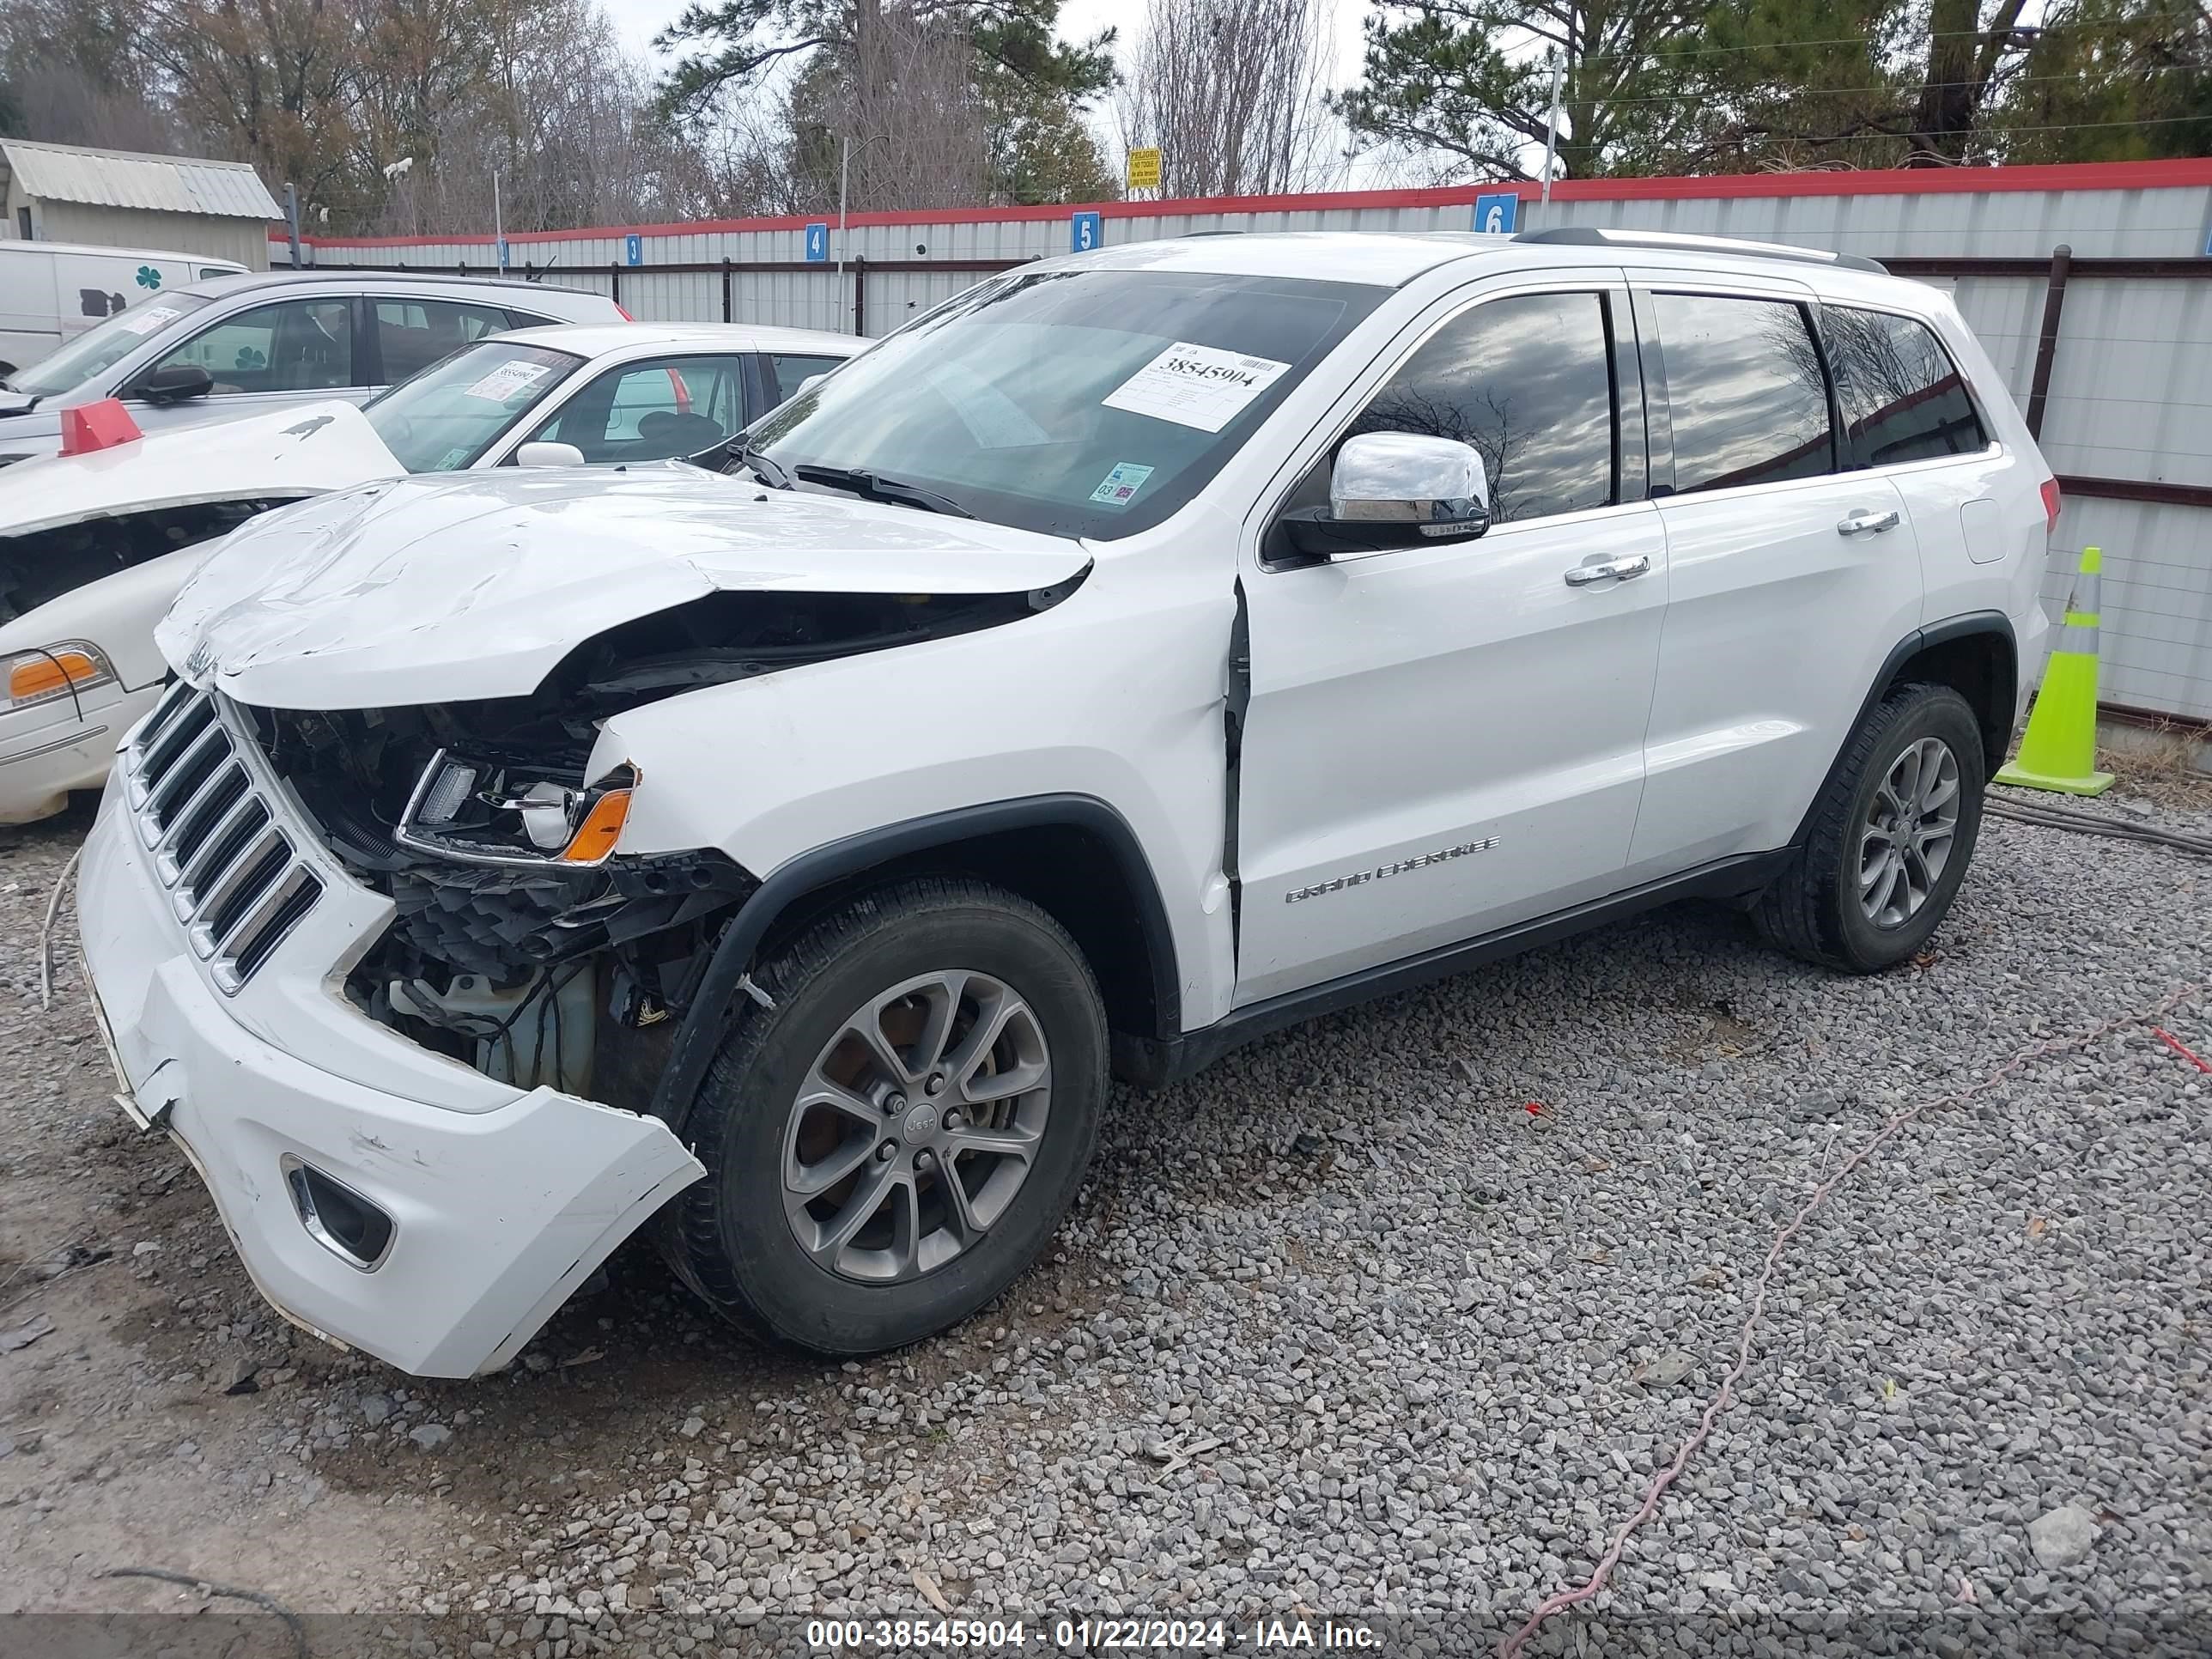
{"type": "Point", "coordinates": [773, 474]}
{"type": "Point", "coordinates": [869, 487]}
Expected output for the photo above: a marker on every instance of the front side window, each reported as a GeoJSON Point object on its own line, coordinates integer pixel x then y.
{"type": "Point", "coordinates": [98, 350]}
{"type": "Point", "coordinates": [413, 334]}
{"type": "Point", "coordinates": [447, 416]}
{"type": "Point", "coordinates": [651, 411]}
{"type": "Point", "coordinates": [1526, 381]}
{"type": "Point", "coordinates": [1744, 391]}
{"type": "Point", "coordinates": [1076, 402]}
{"type": "Point", "coordinates": [294, 345]}
{"type": "Point", "coordinates": [1903, 398]}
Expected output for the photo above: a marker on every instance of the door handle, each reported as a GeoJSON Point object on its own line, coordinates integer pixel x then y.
{"type": "Point", "coordinates": [1868, 523]}
{"type": "Point", "coordinates": [1583, 575]}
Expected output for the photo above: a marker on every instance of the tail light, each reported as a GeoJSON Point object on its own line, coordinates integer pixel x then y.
{"type": "Point", "coordinates": [626, 316]}
{"type": "Point", "coordinates": [2050, 504]}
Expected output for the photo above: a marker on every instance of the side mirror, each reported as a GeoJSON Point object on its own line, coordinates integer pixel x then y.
{"type": "Point", "coordinates": [178, 383]}
{"type": "Point", "coordinates": [809, 384]}
{"type": "Point", "coordinates": [545, 454]}
{"type": "Point", "coordinates": [1396, 490]}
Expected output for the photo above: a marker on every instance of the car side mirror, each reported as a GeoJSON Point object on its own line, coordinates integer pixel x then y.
{"type": "Point", "coordinates": [548, 455]}
{"type": "Point", "coordinates": [177, 383]}
{"type": "Point", "coordinates": [808, 385]}
{"type": "Point", "coordinates": [1396, 490]}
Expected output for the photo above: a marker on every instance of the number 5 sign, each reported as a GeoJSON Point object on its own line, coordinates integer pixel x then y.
{"type": "Point", "coordinates": [1090, 231]}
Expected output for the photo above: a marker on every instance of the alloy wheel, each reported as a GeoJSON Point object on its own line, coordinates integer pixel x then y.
{"type": "Point", "coordinates": [916, 1126]}
{"type": "Point", "coordinates": [1911, 827]}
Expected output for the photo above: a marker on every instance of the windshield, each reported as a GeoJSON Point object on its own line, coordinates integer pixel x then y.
{"type": "Point", "coordinates": [1078, 403]}
{"type": "Point", "coordinates": [100, 349]}
{"type": "Point", "coordinates": [444, 418]}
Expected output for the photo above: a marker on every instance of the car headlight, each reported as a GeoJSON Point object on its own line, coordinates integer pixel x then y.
{"type": "Point", "coordinates": [54, 671]}
{"type": "Point", "coordinates": [483, 811]}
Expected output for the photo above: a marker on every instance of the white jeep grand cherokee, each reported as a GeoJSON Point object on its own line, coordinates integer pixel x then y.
{"type": "Point", "coordinates": [1136, 653]}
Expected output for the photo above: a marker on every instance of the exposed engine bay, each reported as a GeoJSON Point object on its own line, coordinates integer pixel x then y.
{"type": "Point", "coordinates": [521, 945]}
{"type": "Point", "coordinates": [44, 564]}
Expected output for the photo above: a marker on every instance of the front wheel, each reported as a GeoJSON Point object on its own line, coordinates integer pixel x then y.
{"type": "Point", "coordinates": [894, 1142]}
{"type": "Point", "coordinates": [1890, 838]}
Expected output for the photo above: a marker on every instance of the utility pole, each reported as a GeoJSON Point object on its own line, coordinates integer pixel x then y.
{"type": "Point", "coordinates": [498, 224]}
{"type": "Point", "coordinates": [1552, 132]}
{"type": "Point", "coordinates": [844, 174]}
{"type": "Point", "coordinates": [292, 219]}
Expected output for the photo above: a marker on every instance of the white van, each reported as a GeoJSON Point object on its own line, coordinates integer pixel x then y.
{"type": "Point", "coordinates": [52, 292]}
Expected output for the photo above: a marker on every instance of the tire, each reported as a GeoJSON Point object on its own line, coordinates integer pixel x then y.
{"type": "Point", "coordinates": [1821, 909]}
{"type": "Point", "coordinates": [972, 954]}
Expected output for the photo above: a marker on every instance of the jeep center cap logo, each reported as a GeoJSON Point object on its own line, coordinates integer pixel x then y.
{"type": "Point", "coordinates": [921, 1123]}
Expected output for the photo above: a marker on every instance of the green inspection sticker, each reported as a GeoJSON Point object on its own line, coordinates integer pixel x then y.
{"type": "Point", "coordinates": [1122, 482]}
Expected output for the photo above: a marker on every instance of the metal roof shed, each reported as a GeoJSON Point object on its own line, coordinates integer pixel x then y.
{"type": "Point", "coordinates": [116, 198]}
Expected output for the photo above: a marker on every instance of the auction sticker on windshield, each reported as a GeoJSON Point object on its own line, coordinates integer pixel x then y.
{"type": "Point", "coordinates": [1195, 386]}
{"type": "Point", "coordinates": [146, 321]}
{"type": "Point", "coordinates": [508, 378]}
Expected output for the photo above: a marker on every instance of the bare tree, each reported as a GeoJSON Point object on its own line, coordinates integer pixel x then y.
{"type": "Point", "coordinates": [905, 96]}
{"type": "Point", "coordinates": [1235, 94]}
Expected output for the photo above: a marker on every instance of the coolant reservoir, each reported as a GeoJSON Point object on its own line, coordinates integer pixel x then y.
{"type": "Point", "coordinates": [532, 1035]}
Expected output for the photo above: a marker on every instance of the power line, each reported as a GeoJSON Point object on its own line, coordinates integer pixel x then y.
{"type": "Point", "coordinates": [1901, 88]}
{"type": "Point", "coordinates": [2033, 33]}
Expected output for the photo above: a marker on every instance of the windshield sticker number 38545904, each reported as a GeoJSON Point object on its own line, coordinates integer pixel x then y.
{"type": "Point", "coordinates": [1196, 386]}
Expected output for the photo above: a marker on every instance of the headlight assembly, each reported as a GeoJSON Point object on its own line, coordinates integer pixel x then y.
{"type": "Point", "coordinates": [54, 671]}
{"type": "Point", "coordinates": [489, 811]}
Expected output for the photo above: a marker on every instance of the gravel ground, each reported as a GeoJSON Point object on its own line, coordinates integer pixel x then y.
{"type": "Point", "coordinates": [1392, 1317]}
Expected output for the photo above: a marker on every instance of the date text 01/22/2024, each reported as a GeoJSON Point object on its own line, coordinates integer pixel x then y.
{"type": "Point", "coordinates": [1088, 1635]}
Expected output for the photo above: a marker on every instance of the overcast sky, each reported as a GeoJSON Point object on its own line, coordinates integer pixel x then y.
{"type": "Point", "coordinates": [640, 20]}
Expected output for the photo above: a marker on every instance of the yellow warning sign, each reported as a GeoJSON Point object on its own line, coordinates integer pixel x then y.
{"type": "Point", "coordinates": [1143, 169]}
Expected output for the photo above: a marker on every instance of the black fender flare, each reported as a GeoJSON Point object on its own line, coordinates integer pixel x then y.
{"type": "Point", "coordinates": [699, 1032]}
{"type": "Point", "coordinates": [1963, 626]}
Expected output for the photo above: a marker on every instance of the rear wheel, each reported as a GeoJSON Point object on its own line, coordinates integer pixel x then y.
{"type": "Point", "coordinates": [1890, 840]}
{"type": "Point", "coordinates": [889, 1145]}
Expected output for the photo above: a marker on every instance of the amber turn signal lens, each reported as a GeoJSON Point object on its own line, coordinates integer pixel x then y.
{"type": "Point", "coordinates": [48, 672]}
{"type": "Point", "coordinates": [602, 827]}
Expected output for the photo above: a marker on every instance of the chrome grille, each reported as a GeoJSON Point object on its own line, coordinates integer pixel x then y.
{"type": "Point", "coordinates": [233, 877]}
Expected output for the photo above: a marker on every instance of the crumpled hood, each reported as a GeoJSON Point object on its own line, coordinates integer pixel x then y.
{"type": "Point", "coordinates": [438, 589]}
{"type": "Point", "coordinates": [301, 451]}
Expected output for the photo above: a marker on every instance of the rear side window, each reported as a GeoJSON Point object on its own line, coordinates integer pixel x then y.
{"type": "Point", "coordinates": [786, 373]}
{"type": "Point", "coordinates": [1526, 381]}
{"type": "Point", "coordinates": [1744, 391]}
{"type": "Point", "coordinates": [413, 334]}
{"type": "Point", "coordinates": [1903, 398]}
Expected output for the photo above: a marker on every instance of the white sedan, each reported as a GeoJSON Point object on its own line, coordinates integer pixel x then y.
{"type": "Point", "coordinates": [93, 547]}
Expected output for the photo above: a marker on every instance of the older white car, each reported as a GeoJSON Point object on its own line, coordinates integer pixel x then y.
{"type": "Point", "coordinates": [94, 547]}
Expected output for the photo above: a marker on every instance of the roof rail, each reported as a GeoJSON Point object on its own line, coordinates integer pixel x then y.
{"type": "Point", "coordinates": [1592, 236]}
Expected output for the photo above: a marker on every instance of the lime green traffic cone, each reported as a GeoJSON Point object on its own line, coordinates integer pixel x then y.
{"type": "Point", "coordinates": [2060, 748]}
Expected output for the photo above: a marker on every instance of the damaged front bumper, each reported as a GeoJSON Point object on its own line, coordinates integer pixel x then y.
{"type": "Point", "coordinates": [436, 1220]}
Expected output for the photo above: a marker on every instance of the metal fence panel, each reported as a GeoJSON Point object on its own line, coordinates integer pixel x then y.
{"type": "Point", "coordinates": [2130, 397]}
